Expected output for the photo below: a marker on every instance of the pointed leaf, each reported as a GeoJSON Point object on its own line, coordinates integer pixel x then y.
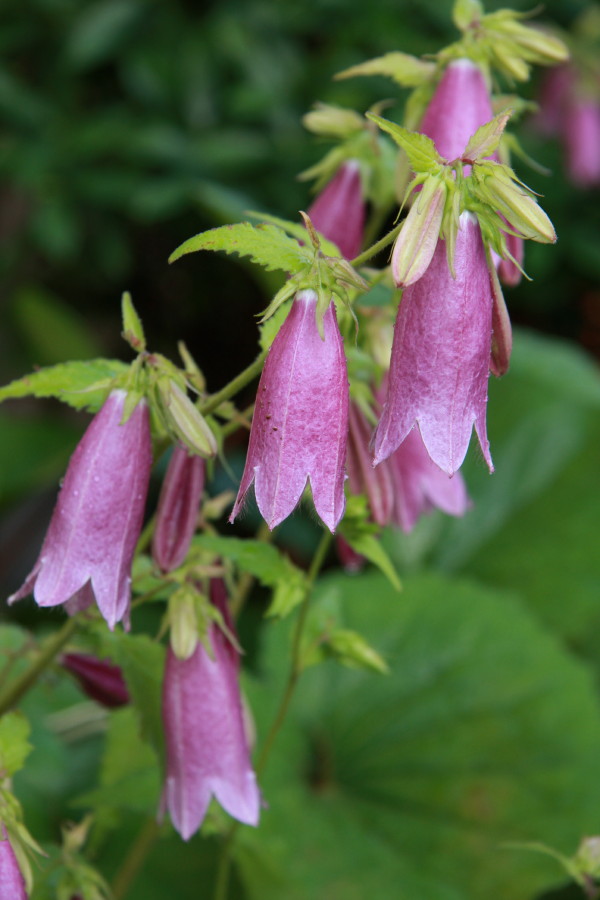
{"type": "Point", "coordinates": [464, 12]}
{"type": "Point", "coordinates": [420, 149]}
{"type": "Point", "coordinates": [406, 70]}
{"type": "Point", "coordinates": [81, 384]}
{"type": "Point", "coordinates": [264, 244]}
{"type": "Point", "coordinates": [487, 138]}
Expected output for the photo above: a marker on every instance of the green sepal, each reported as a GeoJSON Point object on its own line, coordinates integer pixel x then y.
{"type": "Point", "coordinates": [352, 650]}
{"type": "Point", "coordinates": [404, 69]}
{"type": "Point", "coordinates": [466, 12]}
{"type": "Point", "coordinates": [420, 149]}
{"type": "Point", "coordinates": [487, 138]}
{"type": "Point", "coordinates": [133, 330]}
{"type": "Point", "coordinates": [333, 121]}
{"type": "Point", "coordinates": [82, 384]}
{"type": "Point", "coordinates": [266, 245]}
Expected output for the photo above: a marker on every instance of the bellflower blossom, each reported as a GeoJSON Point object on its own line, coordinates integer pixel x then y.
{"type": "Point", "coordinates": [207, 749]}
{"type": "Point", "coordinates": [441, 355]}
{"type": "Point", "coordinates": [99, 679]}
{"type": "Point", "coordinates": [300, 421]}
{"type": "Point", "coordinates": [339, 210]}
{"type": "Point", "coordinates": [90, 543]}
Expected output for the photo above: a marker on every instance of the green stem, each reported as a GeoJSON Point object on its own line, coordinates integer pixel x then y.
{"type": "Point", "coordinates": [135, 858]}
{"type": "Point", "coordinates": [239, 382]}
{"type": "Point", "coordinates": [13, 693]}
{"type": "Point", "coordinates": [224, 866]}
{"type": "Point", "coordinates": [238, 422]}
{"type": "Point", "coordinates": [375, 248]}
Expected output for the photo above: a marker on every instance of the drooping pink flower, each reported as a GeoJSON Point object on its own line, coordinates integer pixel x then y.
{"type": "Point", "coordinates": [97, 520]}
{"type": "Point", "coordinates": [421, 486]}
{"type": "Point", "coordinates": [300, 421]}
{"type": "Point", "coordinates": [404, 486]}
{"type": "Point", "coordinates": [178, 506]}
{"type": "Point", "coordinates": [207, 749]}
{"type": "Point", "coordinates": [100, 679]}
{"type": "Point", "coordinates": [12, 884]}
{"type": "Point", "coordinates": [339, 210]}
{"type": "Point", "coordinates": [581, 135]}
{"type": "Point", "coordinates": [440, 356]}
{"type": "Point", "coordinates": [460, 105]}
{"type": "Point", "coordinates": [556, 86]}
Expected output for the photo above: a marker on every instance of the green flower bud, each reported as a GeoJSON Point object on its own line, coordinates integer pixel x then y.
{"type": "Point", "coordinates": [183, 419]}
{"type": "Point", "coordinates": [496, 186]}
{"type": "Point", "coordinates": [418, 238]}
{"type": "Point", "coordinates": [183, 622]}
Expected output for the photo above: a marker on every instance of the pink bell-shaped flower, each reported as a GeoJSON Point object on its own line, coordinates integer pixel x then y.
{"type": "Point", "coordinates": [207, 749]}
{"type": "Point", "coordinates": [421, 486]}
{"type": "Point", "coordinates": [440, 356]}
{"type": "Point", "coordinates": [339, 210]}
{"type": "Point", "coordinates": [12, 884]}
{"type": "Point", "coordinates": [178, 506]}
{"type": "Point", "coordinates": [300, 421]}
{"type": "Point", "coordinates": [581, 135]}
{"type": "Point", "coordinates": [89, 545]}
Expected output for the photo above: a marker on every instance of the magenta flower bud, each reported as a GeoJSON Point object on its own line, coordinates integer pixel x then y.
{"type": "Point", "coordinates": [207, 748]}
{"type": "Point", "coordinates": [100, 680]}
{"type": "Point", "coordinates": [300, 421]}
{"type": "Point", "coordinates": [363, 478]}
{"type": "Point", "coordinates": [460, 105]}
{"type": "Point", "coordinates": [12, 883]}
{"type": "Point", "coordinates": [339, 210]}
{"type": "Point", "coordinates": [98, 516]}
{"type": "Point", "coordinates": [581, 134]}
{"type": "Point", "coordinates": [421, 486]}
{"type": "Point", "coordinates": [178, 506]}
{"type": "Point", "coordinates": [441, 355]}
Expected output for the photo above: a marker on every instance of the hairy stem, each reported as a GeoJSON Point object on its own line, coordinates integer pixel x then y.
{"type": "Point", "coordinates": [374, 249]}
{"type": "Point", "coordinates": [135, 859]}
{"type": "Point", "coordinates": [235, 385]}
{"type": "Point", "coordinates": [49, 649]}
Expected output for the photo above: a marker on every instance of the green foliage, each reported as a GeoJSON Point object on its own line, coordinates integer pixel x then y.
{"type": "Point", "coordinates": [405, 70]}
{"type": "Point", "coordinates": [82, 385]}
{"type": "Point", "coordinates": [265, 244]}
{"type": "Point", "coordinates": [14, 743]}
{"type": "Point", "coordinates": [483, 730]}
{"type": "Point", "coordinates": [420, 149]}
{"type": "Point", "coordinates": [266, 563]}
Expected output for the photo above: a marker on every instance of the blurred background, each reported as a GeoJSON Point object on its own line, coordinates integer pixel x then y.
{"type": "Point", "coordinates": [126, 126]}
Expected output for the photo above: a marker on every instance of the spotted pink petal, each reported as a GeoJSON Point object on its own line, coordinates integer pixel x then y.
{"type": "Point", "coordinates": [339, 210]}
{"type": "Point", "coordinates": [98, 516]}
{"type": "Point", "coordinates": [440, 356]}
{"type": "Point", "coordinates": [300, 421]}
{"type": "Point", "coordinates": [207, 749]}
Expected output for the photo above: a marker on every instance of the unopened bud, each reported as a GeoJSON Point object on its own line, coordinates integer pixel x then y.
{"type": "Point", "coordinates": [183, 621]}
{"type": "Point", "coordinates": [416, 243]}
{"type": "Point", "coordinates": [587, 859]}
{"type": "Point", "coordinates": [501, 329]}
{"type": "Point", "coordinates": [333, 121]}
{"type": "Point", "coordinates": [536, 46]}
{"type": "Point", "coordinates": [496, 187]}
{"type": "Point", "coordinates": [184, 419]}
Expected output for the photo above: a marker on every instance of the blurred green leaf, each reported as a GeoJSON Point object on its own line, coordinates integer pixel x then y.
{"type": "Point", "coordinates": [53, 331]}
{"type": "Point", "coordinates": [100, 30]}
{"type": "Point", "coordinates": [485, 731]}
{"type": "Point", "coordinates": [264, 244]}
{"type": "Point", "coordinates": [14, 743]}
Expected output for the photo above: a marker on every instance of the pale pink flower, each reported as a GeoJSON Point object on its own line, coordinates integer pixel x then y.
{"type": "Point", "coordinates": [178, 505]}
{"type": "Point", "coordinates": [207, 748]}
{"type": "Point", "coordinates": [89, 546]}
{"type": "Point", "coordinates": [581, 136]}
{"type": "Point", "coordinates": [339, 210]}
{"type": "Point", "coordinates": [300, 421]}
{"type": "Point", "coordinates": [440, 356]}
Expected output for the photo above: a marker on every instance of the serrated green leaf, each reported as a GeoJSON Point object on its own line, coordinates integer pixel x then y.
{"type": "Point", "coordinates": [420, 149]}
{"type": "Point", "coordinates": [487, 138]}
{"type": "Point", "coordinates": [266, 245]}
{"type": "Point", "coordinates": [298, 231]}
{"type": "Point", "coordinates": [14, 743]}
{"type": "Point", "coordinates": [76, 383]}
{"type": "Point", "coordinates": [266, 563]}
{"type": "Point", "coordinates": [406, 70]}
